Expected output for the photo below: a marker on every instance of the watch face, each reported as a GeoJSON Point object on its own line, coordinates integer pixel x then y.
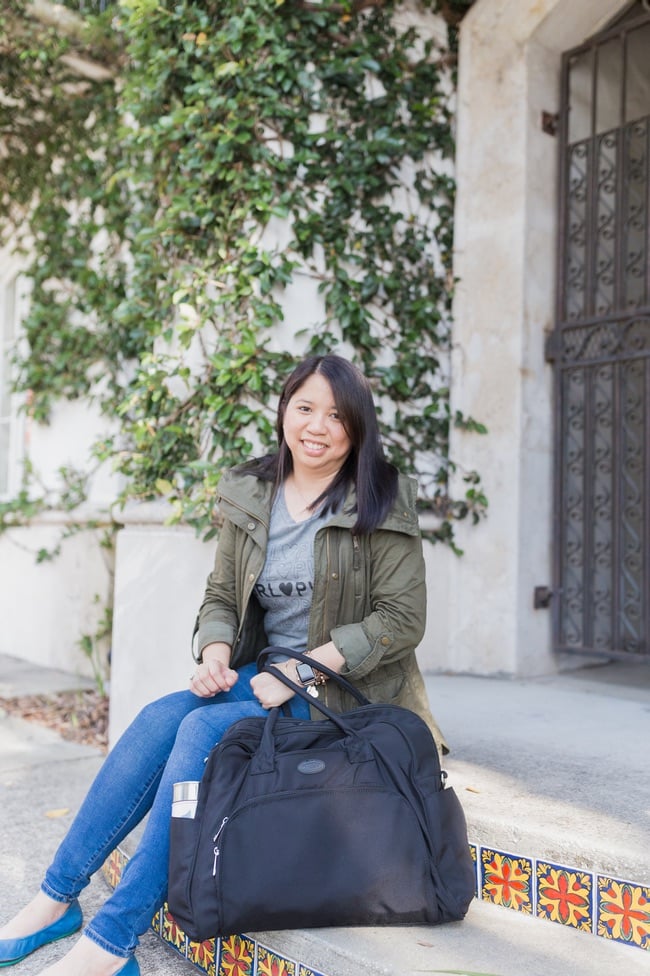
{"type": "Point", "coordinates": [305, 673]}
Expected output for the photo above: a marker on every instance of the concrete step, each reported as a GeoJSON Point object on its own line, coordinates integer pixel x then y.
{"type": "Point", "coordinates": [554, 768]}
{"type": "Point", "coordinates": [490, 940]}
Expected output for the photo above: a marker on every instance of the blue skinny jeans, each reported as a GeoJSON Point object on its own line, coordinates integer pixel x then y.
{"type": "Point", "coordinates": [167, 742]}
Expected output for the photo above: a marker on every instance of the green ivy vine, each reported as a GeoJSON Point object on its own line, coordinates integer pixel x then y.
{"type": "Point", "coordinates": [228, 154]}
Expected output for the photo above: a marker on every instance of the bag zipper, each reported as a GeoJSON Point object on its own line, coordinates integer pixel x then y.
{"type": "Point", "coordinates": [217, 852]}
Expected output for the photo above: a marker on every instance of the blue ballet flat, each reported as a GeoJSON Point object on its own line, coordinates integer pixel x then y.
{"type": "Point", "coordinates": [131, 968]}
{"type": "Point", "coordinates": [13, 950]}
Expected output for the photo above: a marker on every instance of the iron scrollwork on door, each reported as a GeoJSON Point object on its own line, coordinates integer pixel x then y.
{"type": "Point", "coordinates": [601, 346]}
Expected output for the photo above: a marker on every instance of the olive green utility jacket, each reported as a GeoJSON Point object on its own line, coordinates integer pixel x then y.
{"type": "Point", "coordinates": [369, 594]}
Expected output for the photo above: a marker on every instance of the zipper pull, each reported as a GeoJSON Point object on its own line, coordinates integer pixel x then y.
{"type": "Point", "coordinates": [223, 824]}
{"type": "Point", "coordinates": [216, 846]}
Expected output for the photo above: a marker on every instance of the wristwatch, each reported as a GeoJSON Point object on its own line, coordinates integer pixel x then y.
{"type": "Point", "coordinates": [307, 678]}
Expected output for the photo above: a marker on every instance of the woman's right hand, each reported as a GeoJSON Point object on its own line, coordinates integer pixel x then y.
{"type": "Point", "coordinates": [213, 674]}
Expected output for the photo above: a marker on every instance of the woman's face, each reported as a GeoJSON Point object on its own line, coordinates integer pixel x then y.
{"type": "Point", "coordinates": [312, 429]}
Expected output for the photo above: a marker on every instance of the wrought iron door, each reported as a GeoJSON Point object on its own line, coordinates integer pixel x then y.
{"type": "Point", "coordinates": [601, 346]}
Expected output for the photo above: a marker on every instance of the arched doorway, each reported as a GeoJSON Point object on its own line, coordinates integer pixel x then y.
{"type": "Point", "coordinates": [600, 345]}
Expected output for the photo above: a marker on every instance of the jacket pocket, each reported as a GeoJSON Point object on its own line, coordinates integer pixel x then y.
{"type": "Point", "coordinates": [385, 684]}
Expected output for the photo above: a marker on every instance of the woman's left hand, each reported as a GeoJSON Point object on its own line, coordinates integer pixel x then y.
{"type": "Point", "coordinates": [269, 691]}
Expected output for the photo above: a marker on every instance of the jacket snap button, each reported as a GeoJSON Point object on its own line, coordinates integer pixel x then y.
{"type": "Point", "coordinates": [251, 577]}
{"type": "Point", "coordinates": [251, 526]}
{"type": "Point", "coordinates": [385, 641]}
{"type": "Point", "coordinates": [335, 575]}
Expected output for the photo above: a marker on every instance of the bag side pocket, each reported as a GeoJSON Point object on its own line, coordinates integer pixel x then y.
{"type": "Point", "coordinates": [183, 837]}
{"type": "Point", "coordinates": [453, 867]}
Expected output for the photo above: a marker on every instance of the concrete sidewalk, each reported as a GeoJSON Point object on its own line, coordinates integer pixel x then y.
{"type": "Point", "coordinates": [43, 780]}
{"type": "Point", "coordinates": [551, 768]}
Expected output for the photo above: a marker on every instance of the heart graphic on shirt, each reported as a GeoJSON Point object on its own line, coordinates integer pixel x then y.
{"type": "Point", "coordinates": [286, 588]}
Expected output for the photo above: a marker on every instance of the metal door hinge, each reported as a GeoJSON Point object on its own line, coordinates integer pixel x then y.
{"type": "Point", "coordinates": [550, 123]}
{"type": "Point", "coordinates": [542, 596]}
{"type": "Point", "coordinates": [553, 346]}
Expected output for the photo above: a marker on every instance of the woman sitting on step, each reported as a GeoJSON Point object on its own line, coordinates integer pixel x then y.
{"type": "Point", "coordinates": [327, 498]}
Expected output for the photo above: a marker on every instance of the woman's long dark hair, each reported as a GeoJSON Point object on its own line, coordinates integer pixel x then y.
{"type": "Point", "coordinates": [365, 467]}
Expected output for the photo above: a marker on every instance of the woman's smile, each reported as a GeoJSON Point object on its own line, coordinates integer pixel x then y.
{"type": "Point", "coordinates": [313, 445]}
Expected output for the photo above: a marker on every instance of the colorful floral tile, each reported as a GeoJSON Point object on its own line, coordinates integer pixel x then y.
{"type": "Point", "coordinates": [506, 880]}
{"type": "Point", "coordinates": [156, 922]}
{"type": "Point", "coordinates": [237, 956]}
{"type": "Point", "coordinates": [623, 912]}
{"type": "Point", "coordinates": [565, 895]}
{"type": "Point", "coordinates": [473, 850]}
{"type": "Point", "coordinates": [172, 933]}
{"type": "Point", "coordinates": [204, 955]}
{"type": "Point", "coordinates": [269, 963]}
{"type": "Point", "coordinates": [306, 971]}
{"type": "Point", "coordinates": [113, 867]}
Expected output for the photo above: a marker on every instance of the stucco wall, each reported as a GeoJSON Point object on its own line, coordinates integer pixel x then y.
{"type": "Point", "coordinates": [46, 607]}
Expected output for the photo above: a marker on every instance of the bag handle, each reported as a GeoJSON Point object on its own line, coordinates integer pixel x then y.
{"type": "Point", "coordinates": [357, 749]}
{"type": "Point", "coordinates": [317, 666]}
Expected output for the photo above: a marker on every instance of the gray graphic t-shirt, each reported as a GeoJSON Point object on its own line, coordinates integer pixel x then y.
{"type": "Point", "coordinates": [285, 586]}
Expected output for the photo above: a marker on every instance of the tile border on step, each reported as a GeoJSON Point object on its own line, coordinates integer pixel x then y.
{"type": "Point", "coordinates": [587, 901]}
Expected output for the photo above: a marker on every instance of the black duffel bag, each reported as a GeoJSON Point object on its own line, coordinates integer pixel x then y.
{"type": "Point", "coordinates": [300, 824]}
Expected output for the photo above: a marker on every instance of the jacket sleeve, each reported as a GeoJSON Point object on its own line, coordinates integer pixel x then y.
{"type": "Point", "coordinates": [218, 615]}
{"type": "Point", "coordinates": [397, 603]}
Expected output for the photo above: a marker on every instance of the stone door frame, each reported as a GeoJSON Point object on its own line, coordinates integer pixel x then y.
{"type": "Point", "coordinates": [505, 260]}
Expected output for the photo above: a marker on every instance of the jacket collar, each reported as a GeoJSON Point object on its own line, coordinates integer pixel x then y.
{"type": "Point", "coordinates": [401, 518]}
{"type": "Point", "coordinates": [246, 497]}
